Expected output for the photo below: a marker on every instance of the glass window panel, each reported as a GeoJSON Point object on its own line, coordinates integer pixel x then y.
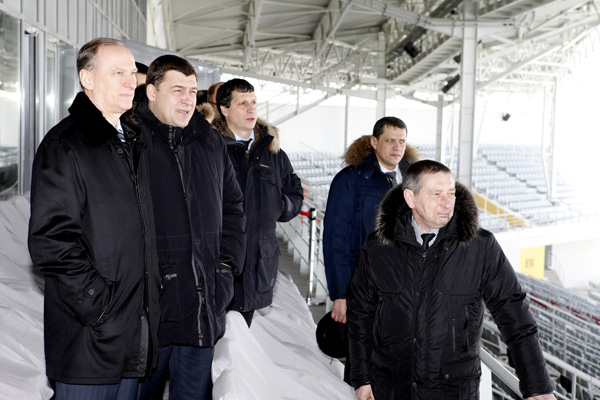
{"type": "Point", "coordinates": [9, 105]}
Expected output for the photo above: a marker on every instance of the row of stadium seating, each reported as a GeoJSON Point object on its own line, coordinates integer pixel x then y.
{"type": "Point", "coordinates": [511, 176]}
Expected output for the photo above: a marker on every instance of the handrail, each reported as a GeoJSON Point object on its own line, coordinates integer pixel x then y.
{"type": "Point", "coordinates": [500, 371]}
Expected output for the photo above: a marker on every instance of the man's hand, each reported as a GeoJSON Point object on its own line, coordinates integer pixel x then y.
{"type": "Point", "coordinates": [338, 312]}
{"type": "Point", "coordinates": [364, 393]}
{"type": "Point", "coordinates": [549, 396]}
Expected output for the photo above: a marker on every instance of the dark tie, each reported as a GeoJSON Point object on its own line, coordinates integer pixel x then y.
{"type": "Point", "coordinates": [427, 237]}
{"type": "Point", "coordinates": [246, 143]}
{"type": "Point", "coordinates": [392, 177]}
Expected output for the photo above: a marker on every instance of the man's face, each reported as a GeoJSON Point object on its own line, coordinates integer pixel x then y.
{"type": "Point", "coordinates": [110, 83]}
{"type": "Point", "coordinates": [241, 114]}
{"type": "Point", "coordinates": [433, 206]}
{"type": "Point", "coordinates": [174, 100]}
{"type": "Point", "coordinates": [389, 148]}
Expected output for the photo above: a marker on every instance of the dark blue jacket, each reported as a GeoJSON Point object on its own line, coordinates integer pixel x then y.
{"type": "Point", "coordinates": [272, 193]}
{"type": "Point", "coordinates": [354, 196]}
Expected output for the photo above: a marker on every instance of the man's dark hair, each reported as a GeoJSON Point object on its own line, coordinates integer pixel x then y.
{"type": "Point", "coordinates": [201, 97]}
{"type": "Point", "coordinates": [163, 64]}
{"type": "Point", "coordinates": [86, 57]}
{"type": "Point", "coordinates": [412, 177]}
{"type": "Point", "coordinates": [225, 92]}
{"type": "Point", "coordinates": [142, 68]}
{"type": "Point", "coordinates": [388, 121]}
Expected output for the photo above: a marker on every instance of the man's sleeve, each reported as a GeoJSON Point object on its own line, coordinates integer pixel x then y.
{"type": "Point", "coordinates": [362, 305]}
{"type": "Point", "coordinates": [292, 194]}
{"type": "Point", "coordinates": [56, 241]}
{"type": "Point", "coordinates": [337, 234]}
{"type": "Point", "coordinates": [233, 235]}
{"type": "Point", "coordinates": [510, 309]}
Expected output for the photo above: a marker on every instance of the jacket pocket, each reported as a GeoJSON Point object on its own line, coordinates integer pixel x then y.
{"type": "Point", "coordinates": [107, 303]}
{"type": "Point", "coordinates": [461, 379]}
{"type": "Point", "coordinates": [269, 194]}
{"type": "Point", "coordinates": [223, 287]}
{"type": "Point", "coordinates": [266, 272]}
{"type": "Point", "coordinates": [91, 303]}
{"type": "Point", "coordinates": [462, 369]}
{"type": "Point", "coordinates": [170, 304]}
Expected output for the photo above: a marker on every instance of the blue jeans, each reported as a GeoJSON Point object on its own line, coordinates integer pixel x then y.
{"type": "Point", "coordinates": [190, 374]}
{"type": "Point", "coordinates": [125, 390]}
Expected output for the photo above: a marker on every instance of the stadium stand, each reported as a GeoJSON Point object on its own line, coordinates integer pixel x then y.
{"type": "Point", "coordinates": [508, 181]}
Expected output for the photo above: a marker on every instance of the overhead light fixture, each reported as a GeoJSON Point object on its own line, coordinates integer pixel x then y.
{"type": "Point", "coordinates": [451, 83]}
{"type": "Point", "coordinates": [412, 51]}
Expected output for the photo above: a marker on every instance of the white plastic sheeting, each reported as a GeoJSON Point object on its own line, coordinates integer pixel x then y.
{"type": "Point", "coordinates": [278, 357]}
{"type": "Point", "coordinates": [22, 365]}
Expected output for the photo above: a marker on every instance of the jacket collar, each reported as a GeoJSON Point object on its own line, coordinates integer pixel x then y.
{"type": "Point", "coordinates": [360, 150]}
{"type": "Point", "coordinates": [393, 217]}
{"type": "Point", "coordinates": [262, 129]}
{"type": "Point", "coordinates": [97, 128]}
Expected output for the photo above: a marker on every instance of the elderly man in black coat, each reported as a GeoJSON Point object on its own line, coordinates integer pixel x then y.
{"type": "Point", "coordinates": [91, 234]}
{"type": "Point", "coordinates": [416, 298]}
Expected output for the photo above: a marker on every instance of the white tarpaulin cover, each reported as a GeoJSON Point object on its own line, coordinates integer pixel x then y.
{"type": "Point", "coordinates": [22, 366]}
{"type": "Point", "coordinates": [278, 357]}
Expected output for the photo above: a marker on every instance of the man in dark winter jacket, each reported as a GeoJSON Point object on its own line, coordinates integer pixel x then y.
{"type": "Point", "coordinates": [91, 234]}
{"type": "Point", "coordinates": [354, 197]}
{"type": "Point", "coordinates": [200, 223]}
{"type": "Point", "coordinates": [416, 298]}
{"type": "Point", "coordinates": [272, 192]}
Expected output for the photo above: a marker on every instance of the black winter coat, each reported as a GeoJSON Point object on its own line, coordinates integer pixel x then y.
{"type": "Point", "coordinates": [415, 318]}
{"type": "Point", "coordinates": [272, 192]}
{"type": "Point", "coordinates": [199, 222]}
{"type": "Point", "coordinates": [91, 234]}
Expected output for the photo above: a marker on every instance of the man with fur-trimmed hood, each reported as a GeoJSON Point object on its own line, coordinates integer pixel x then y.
{"type": "Point", "coordinates": [272, 192]}
{"type": "Point", "coordinates": [416, 298]}
{"type": "Point", "coordinates": [354, 197]}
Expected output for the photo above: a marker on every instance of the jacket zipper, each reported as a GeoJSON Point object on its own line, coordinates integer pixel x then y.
{"type": "Point", "coordinates": [146, 328]}
{"type": "Point", "coordinates": [195, 268]}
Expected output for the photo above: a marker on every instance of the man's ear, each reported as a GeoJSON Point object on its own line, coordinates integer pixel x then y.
{"type": "Point", "coordinates": [87, 79]}
{"type": "Point", "coordinates": [409, 197]}
{"type": "Point", "coordinates": [224, 110]}
{"type": "Point", "coordinates": [151, 92]}
{"type": "Point", "coordinates": [373, 142]}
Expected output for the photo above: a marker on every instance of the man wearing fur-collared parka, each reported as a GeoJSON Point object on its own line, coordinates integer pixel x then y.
{"type": "Point", "coordinates": [354, 196]}
{"type": "Point", "coordinates": [416, 298]}
{"type": "Point", "coordinates": [272, 192]}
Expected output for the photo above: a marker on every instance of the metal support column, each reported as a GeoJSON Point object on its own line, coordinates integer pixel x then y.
{"type": "Point", "coordinates": [312, 239]}
{"type": "Point", "coordinates": [466, 145]}
{"type": "Point", "coordinates": [439, 139]}
{"type": "Point", "coordinates": [381, 74]}
{"type": "Point", "coordinates": [549, 138]}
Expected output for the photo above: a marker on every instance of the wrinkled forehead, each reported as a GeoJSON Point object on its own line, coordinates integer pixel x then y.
{"type": "Point", "coordinates": [438, 180]}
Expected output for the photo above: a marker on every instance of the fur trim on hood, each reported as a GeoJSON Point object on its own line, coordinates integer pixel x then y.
{"type": "Point", "coordinates": [208, 111]}
{"type": "Point", "coordinates": [393, 209]}
{"type": "Point", "coordinates": [219, 124]}
{"type": "Point", "coordinates": [361, 149]}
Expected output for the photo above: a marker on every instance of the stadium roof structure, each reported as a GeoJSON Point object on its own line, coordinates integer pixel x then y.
{"type": "Point", "coordinates": [408, 46]}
